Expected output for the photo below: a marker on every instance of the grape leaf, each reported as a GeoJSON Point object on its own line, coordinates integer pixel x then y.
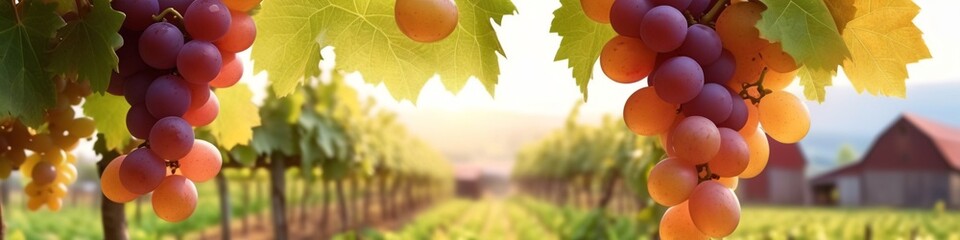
{"type": "Point", "coordinates": [25, 88]}
{"type": "Point", "coordinates": [110, 115]}
{"type": "Point", "coordinates": [582, 40]}
{"type": "Point", "coordinates": [238, 116]}
{"type": "Point", "coordinates": [883, 40]}
{"type": "Point", "coordinates": [815, 82]}
{"type": "Point", "coordinates": [93, 37]}
{"type": "Point", "coordinates": [842, 11]}
{"type": "Point", "coordinates": [806, 31]}
{"type": "Point", "coordinates": [366, 39]}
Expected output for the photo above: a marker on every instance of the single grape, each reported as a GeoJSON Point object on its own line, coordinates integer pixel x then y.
{"type": "Point", "coordinates": [721, 70]}
{"type": "Point", "coordinates": [759, 153]}
{"type": "Point", "coordinates": [702, 44]}
{"type": "Point", "coordinates": [625, 16]}
{"type": "Point", "coordinates": [748, 70]}
{"type": "Point", "coordinates": [139, 12]}
{"type": "Point", "coordinates": [230, 72]}
{"type": "Point", "coordinates": [128, 55]}
{"type": "Point", "coordinates": [202, 163]}
{"type": "Point", "coordinates": [784, 117]}
{"type": "Point", "coordinates": [738, 113]}
{"type": "Point", "coordinates": [135, 87]}
{"type": "Point", "coordinates": [110, 183]}
{"type": "Point", "coordinates": [43, 173]}
{"type": "Point", "coordinates": [199, 93]}
{"type": "Point", "coordinates": [207, 20]}
{"type": "Point", "coordinates": [160, 44]}
{"type": "Point", "coordinates": [116, 84]}
{"type": "Point", "coordinates": [695, 140]}
{"type": "Point", "coordinates": [676, 224]}
{"type": "Point", "coordinates": [175, 199]}
{"type": "Point", "coordinates": [729, 182]}
{"type": "Point", "coordinates": [171, 138]}
{"type": "Point", "coordinates": [713, 103]}
{"type": "Point", "coordinates": [205, 114]}
{"type": "Point", "coordinates": [597, 10]}
{"type": "Point", "coordinates": [678, 80]}
{"type": "Point", "coordinates": [678, 4]}
{"type": "Point", "coordinates": [241, 5]}
{"type": "Point", "coordinates": [426, 20]}
{"type": "Point", "coordinates": [141, 171]}
{"type": "Point", "coordinates": [167, 96]}
{"type": "Point", "coordinates": [140, 121]}
{"type": "Point", "coordinates": [241, 34]}
{"type": "Point", "coordinates": [753, 119]}
{"type": "Point", "coordinates": [778, 60]}
{"type": "Point", "coordinates": [626, 60]}
{"type": "Point", "coordinates": [663, 29]}
{"type": "Point", "coordinates": [714, 209]}
{"type": "Point", "coordinates": [671, 181]}
{"type": "Point", "coordinates": [83, 127]}
{"type": "Point", "coordinates": [4, 145]}
{"type": "Point", "coordinates": [736, 26]}
{"type": "Point", "coordinates": [778, 81]}
{"type": "Point", "coordinates": [698, 8]}
{"type": "Point", "coordinates": [646, 114]}
{"type": "Point", "coordinates": [199, 62]}
{"type": "Point", "coordinates": [733, 157]}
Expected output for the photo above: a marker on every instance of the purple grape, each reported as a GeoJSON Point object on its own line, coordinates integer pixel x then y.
{"type": "Point", "coordinates": [128, 55]}
{"type": "Point", "coordinates": [199, 93]}
{"type": "Point", "coordinates": [135, 87]}
{"type": "Point", "coordinates": [663, 29]}
{"type": "Point", "coordinates": [678, 4]}
{"type": "Point", "coordinates": [626, 15]}
{"type": "Point", "coordinates": [139, 12]}
{"type": "Point", "coordinates": [697, 7]}
{"type": "Point", "coordinates": [116, 84]}
{"type": "Point", "coordinates": [713, 103]}
{"type": "Point", "coordinates": [167, 96]}
{"type": "Point", "coordinates": [721, 70]}
{"type": "Point", "coordinates": [171, 138]}
{"type": "Point", "coordinates": [199, 62]}
{"type": "Point", "coordinates": [179, 5]}
{"type": "Point", "coordinates": [678, 80]}
{"type": "Point", "coordinates": [160, 44]}
{"type": "Point", "coordinates": [738, 113]}
{"type": "Point", "coordinates": [140, 121]}
{"type": "Point", "coordinates": [142, 171]}
{"type": "Point", "coordinates": [207, 20]}
{"type": "Point", "coordinates": [702, 44]}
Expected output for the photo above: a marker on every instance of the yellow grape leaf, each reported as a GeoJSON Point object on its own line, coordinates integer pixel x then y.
{"type": "Point", "coordinates": [882, 40]}
{"type": "Point", "coordinates": [843, 11]}
{"type": "Point", "coordinates": [815, 82]}
{"type": "Point", "coordinates": [238, 115]}
{"type": "Point", "coordinates": [110, 116]}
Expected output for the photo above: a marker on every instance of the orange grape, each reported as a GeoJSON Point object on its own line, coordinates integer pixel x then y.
{"type": "Point", "coordinates": [645, 114]}
{"type": "Point", "coordinates": [598, 10]}
{"type": "Point", "coordinates": [784, 117]}
{"type": "Point", "coordinates": [736, 26]}
{"type": "Point", "coordinates": [231, 70]}
{"type": "Point", "coordinates": [240, 35]}
{"type": "Point", "coordinates": [778, 81]}
{"type": "Point", "coordinates": [729, 182]}
{"type": "Point", "coordinates": [759, 153]}
{"type": "Point", "coordinates": [626, 59]}
{"type": "Point", "coordinates": [753, 120]}
{"type": "Point", "coordinates": [714, 209]}
{"type": "Point", "coordinates": [241, 5]}
{"type": "Point", "coordinates": [778, 60]}
{"type": "Point", "coordinates": [202, 163]}
{"type": "Point", "coordinates": [110, 183]}
{"type": "Point", "coordinates": [748, 70]}
{"type": "Point", "coordinates": [175, 199]}
{"type": "Point", "coordinates": [671, 181]}
{"type": "Point", "coordinates": [733, 156]}
{"type": "Point", "coordinates": [677, 224]}
{"type": "Point", "coordinates": [426, 20]}
{"type": "Point", "coordinates": [695, 140]}
{"type": "Point", "coordinates": [205, 114]}
{"type": "Point", "coordinates": [54, 203]}
{"type": "Point", "coordinates": [82, 127]}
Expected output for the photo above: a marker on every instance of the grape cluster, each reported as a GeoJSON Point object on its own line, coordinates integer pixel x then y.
{"type": "Point", "coordinates": [50, 166]}
{"type": "Point", "coordinates": [174, 52]}
{"type": "Point", "coordinates": [715, 91]}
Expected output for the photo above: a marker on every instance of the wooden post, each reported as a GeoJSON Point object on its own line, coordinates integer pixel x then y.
{"type": "Point", "coordinates": [112, 215]}
{"type": "Point", "coordinates": [224, 193]}
{"type": "Point", "coordinates": [278, 202]}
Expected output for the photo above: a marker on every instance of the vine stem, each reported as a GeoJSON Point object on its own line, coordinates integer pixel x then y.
{"type": "Point", "coordinates": [690, 19]}
{"type": "Point", "coordinates": [169, 10]}
{"type": "Point", "coordinates": [761, 91]}
{"type": "Point", "coordinates": [707, 174]}
{"type": "Point", "coordinates": [714, 11]}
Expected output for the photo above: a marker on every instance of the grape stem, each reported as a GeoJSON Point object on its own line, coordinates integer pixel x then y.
{"type": "Point", "coordinates": [707, 175]}
{"type": "Point", "coordinates": [761, 91]}
{"type": "Point", "coordinates": [174, 165]}
{"type": "Point", "coordinates": [169, 10]}
{"type": "Point", "coordinates": [714, 11]}
{"type": "Point", "coordinates": [690, 19]}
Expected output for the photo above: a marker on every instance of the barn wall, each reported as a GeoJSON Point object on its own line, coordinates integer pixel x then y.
{"type": "Point", "coordinates": [914, 188]}
{"type": "Point", "coordinates": [954, 190]}
{"type": "Point", "coordinates": [786, 186]}
{"type": "Point", "coordinates": [849, 189]}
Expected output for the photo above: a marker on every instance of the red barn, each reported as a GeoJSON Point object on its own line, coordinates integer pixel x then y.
{"type": "Point", "coordinates": [914, 163]}
{"type": "Point", "coordinates": [781, 182]}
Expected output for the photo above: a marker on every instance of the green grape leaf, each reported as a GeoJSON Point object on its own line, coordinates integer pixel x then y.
{"type": "Point", "coordinates": [842, 11]}
{"type": "Point", "coordinates": [366, 38]}
{"type": "Point", "coordinates": [25, 87]}
{"type": "Point", "coordinates": [582, 40]}
{"type": "Point", "coordinates": [110, 115]}
{"type": "Point", "coordinates": [815, 83]}
{"type": "Point", "coordinates": [93, 37]}
{"type": "Point", "coordinates": [245, 155]}
{"type": "Point", "coordinates": [806, 30]}
{"type": "Point", "coordinates": [883, 40]}
{"type": "Point", "coordinates": [238, 116]}
{"type": "Point", "coordinates": [275, 134]}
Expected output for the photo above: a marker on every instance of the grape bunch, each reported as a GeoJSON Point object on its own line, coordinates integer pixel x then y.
{"type": "Point", "coordinates": [174, 52]}
{"type": "Point", "coordinates": [426, 20]}
{"type": "Point", "coordinates": [714, 92]}
{"type": "Point", "coordinates": [50, 166]}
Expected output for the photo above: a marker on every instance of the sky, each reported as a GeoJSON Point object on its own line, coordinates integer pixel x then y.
{"type": "Point", "coordinates": [535, 93]}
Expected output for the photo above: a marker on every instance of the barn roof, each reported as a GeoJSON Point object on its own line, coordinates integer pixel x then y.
{"type": "Point", "coordinates": [945, 138]}
{"type": "Point", "coordinates": [785, 155]}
